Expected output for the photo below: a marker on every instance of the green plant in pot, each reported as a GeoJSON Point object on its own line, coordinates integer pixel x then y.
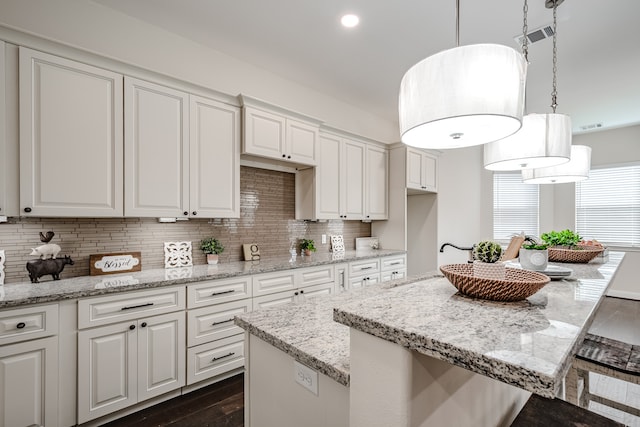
{"type": "Point", "coordinates": [565, 239]}
{"type": "Point", "coordinates": [212, 248]}
{"type": "Point", "coordinates": [307, 246]}
{"type": "Point", "coordinates": [486, 264]}
{"type": "Point", "coordinates": [534, 255]}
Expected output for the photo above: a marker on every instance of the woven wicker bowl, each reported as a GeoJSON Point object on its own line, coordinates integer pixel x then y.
{"type": "Point", "coordinates": [517, 285]}
{"type": "Point", "coordinates": [584, 255]}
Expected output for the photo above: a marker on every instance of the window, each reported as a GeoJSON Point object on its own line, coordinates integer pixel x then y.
{"type": "Point", "coordinates": [608, 206]}
{"type": "Point", "coordinates": [515, 206]}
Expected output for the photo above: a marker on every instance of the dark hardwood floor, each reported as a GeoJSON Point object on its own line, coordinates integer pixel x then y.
{"type": "Point", "coordinates": [217, 405]}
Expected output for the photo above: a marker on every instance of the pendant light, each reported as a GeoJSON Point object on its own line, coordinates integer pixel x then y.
{"type": "Point", "coordinates": [465, 96]}
{"type": "Point", "coordinates": [544, 139]}
{"type": "Point", "coordinates": [577, 169]}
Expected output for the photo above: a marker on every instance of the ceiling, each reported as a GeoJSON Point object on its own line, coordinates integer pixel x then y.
{"type": "Point", "coordinates": [303, 41]}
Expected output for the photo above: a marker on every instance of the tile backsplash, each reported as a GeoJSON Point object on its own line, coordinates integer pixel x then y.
{"type": "Point", "coordinates": [267, 209]}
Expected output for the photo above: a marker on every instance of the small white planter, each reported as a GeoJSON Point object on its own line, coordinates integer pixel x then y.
{"type": "Point", "coordinates": [489, 270]}
{"type": "Point", "coordinates": [212, 259]}
{"type": "Point", "coordinates": [534, 259]}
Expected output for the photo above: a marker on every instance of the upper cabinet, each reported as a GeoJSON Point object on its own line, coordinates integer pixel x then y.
{"type": "Point", "coordinates": [349, 183]}
{"type": "Point", "coordinates": [271, 133]}
{"type": "Point", "coordinates": [71, 148]}
{"type": "Point", "coordinates": [181, 154]}
{"type": "Point", "coordinates": [422, 170]}
{"type": "Point", "coordinates": [9, 144]}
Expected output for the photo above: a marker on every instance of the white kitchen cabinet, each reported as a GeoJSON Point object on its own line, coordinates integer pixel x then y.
{"type": "Point", "coordinates": [214, 151]}
{"type": "Point", "coordinates": [128, 362]}
{"type": "Point", "coordinates": [364, 272]}
{"type": "Point", "coordinates": [280, 137]}
{"type": "Point", "coordinates": [29, 366]}
{"type": "Point", "coordinates": [336, 188]}
{"type": "Point", "coordinates": [156, 150]}
{"type": "Point", "coordinates": [182, 156]}
{"type": "Point", "coordinates": [294, 295]}
{"type": "Point", "coordinates": [376, 183]}
{"type": "Point", "coordinates": [422, 171]}
{"type": "Point", "coordinates": [215, 358]}
{"type": "Point", "coordinates": [71, 149]}
{"type": "Point", "coordinates": [9, 140]}
{"type": "Point", "coordinates": [393, 267]}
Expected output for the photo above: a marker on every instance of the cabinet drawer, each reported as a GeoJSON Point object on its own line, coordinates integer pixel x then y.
{"type": "Point", "coordinates": [360, 268]}
{"type": "Point", "coordinates": [394, 262]}
{"type": "Point", "coordinates": [323, 289]}
{"type": "Point", "coordinates": [272, 300]}
{"type": "Point", "coordinates": [215, 322]}
{"type": "Point", "coordinates": [128, 306]}
{"type": "Point", "coordinates": [269, 283]}
{"type": "Point", "coordinates": [215, 358]}
{"type": "Point", "coordinates": [316, 275]}
{"type": "Point", "coordinates": [28, 323]}
{"type": "Point", "coordinates": [218, 291]}
{"type": "Point", "coordinates": [393, 275]}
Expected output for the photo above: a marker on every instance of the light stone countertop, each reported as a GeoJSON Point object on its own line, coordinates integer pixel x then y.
{"type": "Point", "coordinates": [24, 293]}
{"type": "Point", "coordinates": [527, 344]}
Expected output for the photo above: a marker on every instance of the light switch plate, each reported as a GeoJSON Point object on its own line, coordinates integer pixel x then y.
{"type": "Point", "coordinates": [306, 377]}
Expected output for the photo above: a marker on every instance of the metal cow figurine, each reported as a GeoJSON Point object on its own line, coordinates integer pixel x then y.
{"type": "Point", "coordinates": [41, 267]}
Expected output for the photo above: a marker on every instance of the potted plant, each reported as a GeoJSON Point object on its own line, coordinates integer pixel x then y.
{"type": "Point", "coordinates": [534, 255]}
{"type": "Point", "coordinates": [307, 246]}
{"type": "Point", "coordinates": [212, 248]}
{"type": "Point", "coordinates": [565, 239]}
{"type": "Point", "coordinates": [486, 264]}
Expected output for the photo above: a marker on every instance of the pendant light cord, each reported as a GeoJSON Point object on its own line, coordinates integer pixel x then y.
{"type": "Point", "coordinates": [525, 29]}
{"type": "Point", "coordinates": [457, 23]}
{"type": "Point", "coordinates": [554, 91]}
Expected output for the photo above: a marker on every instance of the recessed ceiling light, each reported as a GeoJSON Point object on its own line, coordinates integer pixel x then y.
{"type": "Point", "coordinates": [350, 20]}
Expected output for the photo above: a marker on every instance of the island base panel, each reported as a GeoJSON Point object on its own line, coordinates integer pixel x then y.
{"type": "Point", "coordinates": [273, 398]}
{"type": "Point", "coordinates": [392, 385]}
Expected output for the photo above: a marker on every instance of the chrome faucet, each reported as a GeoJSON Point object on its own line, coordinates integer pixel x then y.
{"type": "Point", "coordinates": [459, 248]}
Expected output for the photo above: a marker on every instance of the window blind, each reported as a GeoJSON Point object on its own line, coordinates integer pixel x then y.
{"type": "Point", "coordinates": [608, 206]}
{"type": "Point", "coordinates": [515, 206]}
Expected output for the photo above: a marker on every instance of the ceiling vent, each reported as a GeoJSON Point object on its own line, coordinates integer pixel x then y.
{"type": "Point", "coordinates": [536, 35]}
{"type": "Point", "coordinates": [591, 126]}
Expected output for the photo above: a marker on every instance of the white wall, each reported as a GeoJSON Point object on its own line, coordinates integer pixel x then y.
{"type": "Point", "coordinates": [98, 29]}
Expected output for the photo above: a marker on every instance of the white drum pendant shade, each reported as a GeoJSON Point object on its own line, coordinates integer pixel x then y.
{"type": "Point", "coordinates": [577, 169]}
{"type": "Point", "coordinates": [544, 140]}
{"type": "Point", "coordinates": [465, 96]}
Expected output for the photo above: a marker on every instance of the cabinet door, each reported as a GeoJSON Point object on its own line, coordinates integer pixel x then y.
{"type": "Point", "coordinates": [9, 167]}
{"type": "Point", "coordinates": [429, 173]}
{"type": "Point", "coordinates": [29, 383]}
{"type": "Point", "coordinates": [70, 138]}
{"type": "Point", "coordinates": [301, 142]}
{"type": "Point", "coordinates": [273, 300]}
{"type": "Point", "coordinates": [328, 178]}
{"type": "Point", "coordinates": [352, 180]}
{"type": "Point", "coordinates": [215, 159]}
{"type": "Point", "coordinates": [376, 194]}
{"type": "Point", "coordinates": [264, 133]}
{"type": "Point", "coordinates": [156, 150]}
{"type": "Point", "coordinates": [161, 354]}
{"type": "Point", "coordinates": [414, 169]}
{"type": "Point", "coordinates": [107, 370]}
{"type": "Point", "coordinates": [317, 290]}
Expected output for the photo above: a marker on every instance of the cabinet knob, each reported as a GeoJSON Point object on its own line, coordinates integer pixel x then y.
{"type": "Point", "coordinates": [302, 291]}
{"type": "Point", "coordinates": [27, 210]}
{"type": "Point", "coordinates": [143, 324]}
{"type": "Point", "coordinates": [288, 157]}
{"type": "Point", "coordinates": [284, 155]}
{"type": "Point", "coordinates": [295, 293]}
{"type": "Point", "coordinates": [185, 213]}
{"type": "Point", "coordinates": [367, 216]}
{"type": "Point", "coordinates": [194, 213]}
{"type": "Point", "coordinates": [132, 327]}
{"type": "Point", "coordinates": [21, 325]}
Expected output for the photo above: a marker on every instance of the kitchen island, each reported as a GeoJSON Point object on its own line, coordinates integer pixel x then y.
{"type": "Point", "coordinates": [418, 353]}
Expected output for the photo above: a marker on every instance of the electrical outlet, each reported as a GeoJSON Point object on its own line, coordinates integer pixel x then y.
{"type": "Point", "coordinates": [306, 377]}
{"type": "Point", "coordinates": [324, 239]}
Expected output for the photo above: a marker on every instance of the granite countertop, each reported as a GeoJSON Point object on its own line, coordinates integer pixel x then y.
{"type": "Point", "coordinates": [17, 294]}
{"type": "Point", "coordinates": [307, 332]}
{"type": "Point", "coordinates": [528, 344]}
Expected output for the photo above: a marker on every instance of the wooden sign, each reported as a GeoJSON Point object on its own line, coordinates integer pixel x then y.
{"type": "Point", "coordinates": [251, 252]}
{"type": "Point", "coordinates": [124, 262]}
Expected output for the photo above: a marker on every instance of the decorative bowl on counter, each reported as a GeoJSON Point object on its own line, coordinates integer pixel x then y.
{"type": "Point", "coordinates": [579, 256]}
{"type": "Point", "coordinates": [517, 285]}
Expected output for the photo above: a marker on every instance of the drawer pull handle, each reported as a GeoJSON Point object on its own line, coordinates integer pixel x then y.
{"type": "Point", "coordinates": [395, 263]}
{"type": "Point", "coordinates": [222, 357]}
{"type": "Point", "coordinates": [366, 268]}
{"type": "Point", "coordinates": [21, 325]}
{"type": "Point", "coordinates": [220, 323]}
{"type": "Point", "coordinates": [223, 292]}
{"type": "Point", "coordinates": [131, 307]}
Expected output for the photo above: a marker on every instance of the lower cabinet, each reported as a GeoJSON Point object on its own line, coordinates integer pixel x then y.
{"type": "Point", "coordinates": [215, 358]}
{"type": "Point", "coordinates": [29, 383]}
{"type": "Point", "coordinates": [129, 362]}
{"type": "Point", "coordinates": [295, 295]}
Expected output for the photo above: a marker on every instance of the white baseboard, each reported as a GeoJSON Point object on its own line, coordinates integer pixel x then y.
{"type": "Point", "coordinates": [623, 294]}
